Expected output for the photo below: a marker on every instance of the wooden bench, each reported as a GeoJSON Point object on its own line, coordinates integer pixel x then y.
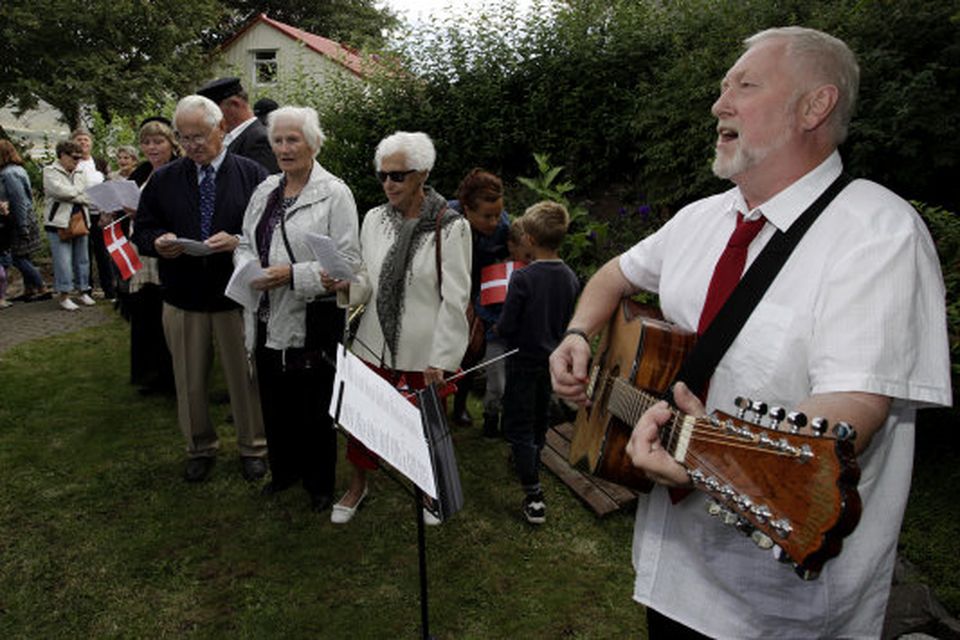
{"type": "Point", "coordinates": [601, 496]}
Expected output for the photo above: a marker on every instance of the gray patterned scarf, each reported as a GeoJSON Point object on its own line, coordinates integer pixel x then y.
{"type": "Point", "coordinates": [411, 234]}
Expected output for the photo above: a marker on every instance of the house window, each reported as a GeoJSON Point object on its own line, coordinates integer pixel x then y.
{"type": "Point", "coordinates": [264, 68]}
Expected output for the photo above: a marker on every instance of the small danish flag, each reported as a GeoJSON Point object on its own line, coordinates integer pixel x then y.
{"type": "Point", "coordinates": [494, 280]}
{"type": "Point", "coordinates": [122, 252]}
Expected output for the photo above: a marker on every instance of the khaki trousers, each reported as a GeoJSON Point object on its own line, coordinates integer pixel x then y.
{"type": "Point", "coordinates": [190, 337]}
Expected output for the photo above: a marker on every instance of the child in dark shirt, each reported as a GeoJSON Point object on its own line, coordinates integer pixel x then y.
{"type": "Point", "coordinates": [496, 346]}
{"type": "Point", "coordinates": [539, 304]}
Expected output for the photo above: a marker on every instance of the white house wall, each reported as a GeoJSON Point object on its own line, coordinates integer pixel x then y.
{"type": "Point", "coordinates": [292, 55]}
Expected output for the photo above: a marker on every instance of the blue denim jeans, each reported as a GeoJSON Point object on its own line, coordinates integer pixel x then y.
{"type": "Point", "coordinates": [71, 263]}
{"type": "Point", "coordinates": [31, 277]}
{"type": "Point", "coordinates": [526, 400]}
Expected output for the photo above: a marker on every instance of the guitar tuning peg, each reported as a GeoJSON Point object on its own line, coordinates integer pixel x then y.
{"type": "Point", "coordinates": [781, 555]}
{"type": "Point", "coordinates": [743, 404]}
{"type": "Point", "coordinates": [844, 431]}
{"type": "Point", "coordinates": [776, 416]}
{"type": "Point", "coordinates": [761, 539]}
{"type": "Point", "coordinates": [759, 408]}
{"type": "Point", "coordinates": [745, 527]}
{"type": "Point", "coordinates": [819, 425]}
{"type": "Point", "coordinates": [797, 421]}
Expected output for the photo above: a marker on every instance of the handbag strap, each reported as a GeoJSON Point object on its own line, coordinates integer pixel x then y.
{"type": "Point", "coordinates": [439, 256]}
{"type": "Point", "coordinates": [699, 366]}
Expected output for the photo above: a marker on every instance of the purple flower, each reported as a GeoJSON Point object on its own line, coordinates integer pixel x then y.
{"type": "Point", "coordinates": [623, 212]}
{"type": "Point", "coordinates": [644, 210]}
{"type": "Point", "coordinates": [592, 235]}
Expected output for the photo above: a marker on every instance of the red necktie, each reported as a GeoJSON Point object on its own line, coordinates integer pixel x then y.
{"type": "Point", "coordinates": [726, 275]}
{"type": "Point", "coordinates": [729, 268]}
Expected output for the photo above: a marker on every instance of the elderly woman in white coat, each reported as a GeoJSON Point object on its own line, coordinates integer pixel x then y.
{"type": "Point", "coordinates": [296, 382]}
{"type": "Point", "coordinates": [63, 189]}
{"type": "Point", "coordinates": [414, 329]}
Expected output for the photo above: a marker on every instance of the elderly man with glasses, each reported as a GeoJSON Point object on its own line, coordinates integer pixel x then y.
{"type": "Point", "coordinates": [189, 216]}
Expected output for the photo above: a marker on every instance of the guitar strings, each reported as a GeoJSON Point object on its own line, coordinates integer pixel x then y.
{"type": "Point", "coordinates": [633, 402]}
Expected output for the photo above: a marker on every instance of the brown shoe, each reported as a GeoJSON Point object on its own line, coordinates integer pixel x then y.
{"type": "Point", "coordinates": [197, 469]}
{"type": "Point", "coordinates": [253, 468]}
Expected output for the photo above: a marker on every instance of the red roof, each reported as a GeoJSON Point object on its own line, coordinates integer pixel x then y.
{"type": "Point", "coordinates": [324, 46]}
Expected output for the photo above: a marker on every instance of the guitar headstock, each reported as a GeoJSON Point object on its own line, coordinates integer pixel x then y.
{"type": "Point", "coordinates": [788, 487]}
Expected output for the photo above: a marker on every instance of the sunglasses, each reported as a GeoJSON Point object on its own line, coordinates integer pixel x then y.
{"type": "Point", "coordinates": [76, 157]}
{"type": "Point", "coordinates": [396, 176]}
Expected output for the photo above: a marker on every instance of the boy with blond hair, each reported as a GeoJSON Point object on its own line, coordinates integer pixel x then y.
{"type": "Point", "coordinates": [539, 304]}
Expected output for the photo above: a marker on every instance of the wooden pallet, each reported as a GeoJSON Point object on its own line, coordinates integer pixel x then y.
{"type": "Point", "coordinates": [601, 496]}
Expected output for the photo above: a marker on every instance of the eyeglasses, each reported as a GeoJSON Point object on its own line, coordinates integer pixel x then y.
{"type": "Point", "coordinates": [396, 176]}
{"type": "Point", "coordinates": [193, 140]}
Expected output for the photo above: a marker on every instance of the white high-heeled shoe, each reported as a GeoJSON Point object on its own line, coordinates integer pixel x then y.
{"type": "Point", "coordinates": [340, 514]}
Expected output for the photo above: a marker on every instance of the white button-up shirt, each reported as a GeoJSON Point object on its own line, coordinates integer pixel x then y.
{"type": "Point", "coordinates": [859, 306]}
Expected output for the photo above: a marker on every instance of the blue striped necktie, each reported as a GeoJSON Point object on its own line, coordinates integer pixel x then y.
{"type": "Point", "coordinates": [208, 192]}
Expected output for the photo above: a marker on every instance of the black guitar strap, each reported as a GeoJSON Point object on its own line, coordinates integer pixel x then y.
{"type": "Point", "coordinates": [698, 367]}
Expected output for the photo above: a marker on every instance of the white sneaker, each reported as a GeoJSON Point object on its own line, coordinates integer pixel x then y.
{"type": "Point", "coordinates": [87, 300]}
{"type": "Point", "coordinates": [68, 305]}
{"type": "Point", "coordinates": [429, 519]}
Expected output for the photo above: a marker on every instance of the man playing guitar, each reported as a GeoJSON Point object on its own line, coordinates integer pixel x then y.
{"type": "Point", "coordinates": [852, 328]}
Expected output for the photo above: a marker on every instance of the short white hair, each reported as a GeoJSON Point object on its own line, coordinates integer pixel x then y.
{"type": "Point", "coordinates": [416, 147]}
{"type": "Point", "coordinates": [305, 118]}
{"type": "Point", "coordinates": [827, 59]}
{"type": "Point", "coordinates": [211, 112]}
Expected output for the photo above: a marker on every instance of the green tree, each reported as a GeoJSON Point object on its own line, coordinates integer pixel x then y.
{"type": "Point", "coordinates": [116, 56]}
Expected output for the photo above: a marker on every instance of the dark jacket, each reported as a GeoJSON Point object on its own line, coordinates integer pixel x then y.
{"type": "Point", "coordinates": [171, 203]}
{"type": "Point", "coordinates": [254, 143]}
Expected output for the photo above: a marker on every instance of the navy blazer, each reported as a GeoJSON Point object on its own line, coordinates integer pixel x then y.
{"type": "Point", "coordinates": [171, 203]}
{"type": "Point", "coordinates": [254, 143]}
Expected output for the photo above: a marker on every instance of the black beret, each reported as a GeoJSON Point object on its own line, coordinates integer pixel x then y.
{"type": "Point", "coordinates": [263, 106]}
{"type": "Point", "coordinates": [220, 89]}
{"type": "Point", "coordinates": [159, 119]}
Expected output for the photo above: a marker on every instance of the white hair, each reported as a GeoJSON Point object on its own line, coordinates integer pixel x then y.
{"type": "Point", "coordinates": [211, 112]}
{"type": "Point", "coordinates": [305, 118]}
{"type": "Point", "coordinates": [826, 59]}
{"type": "Point", "coordinates": [416, 147]}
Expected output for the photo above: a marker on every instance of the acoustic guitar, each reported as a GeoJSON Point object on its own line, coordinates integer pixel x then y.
{"type": "Point", "coordinates": [791, 491]}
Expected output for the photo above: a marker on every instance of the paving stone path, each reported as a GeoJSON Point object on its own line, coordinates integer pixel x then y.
{"type": "Point", "coordinates": [26, 321]}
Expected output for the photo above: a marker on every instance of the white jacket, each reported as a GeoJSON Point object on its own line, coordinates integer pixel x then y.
{"type": "Point", "coordinates": [324, 206]}
{"type": "Point", "coordinates": [432, 332]}
{"type": "Point", "coordinates": [61, 190]}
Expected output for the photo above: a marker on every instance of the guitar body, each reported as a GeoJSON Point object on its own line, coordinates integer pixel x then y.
{"type": "Point", "coordinates": [780, 485]}
{"type": "Point", "coordinates": [646, 352]}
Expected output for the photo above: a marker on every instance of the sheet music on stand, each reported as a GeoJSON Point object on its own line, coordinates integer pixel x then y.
{"type": "Point", "coordinates": [415, 442]}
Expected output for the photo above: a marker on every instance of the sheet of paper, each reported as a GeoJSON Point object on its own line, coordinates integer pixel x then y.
{"type": "Point", "coordinates": [193, 247]}
{"type": "Point", "coordinates": [377, 415]}
{"type": "Point", "coordinates": [114, 195]}
{"type": "Point", "coordinates": [325, 251]}
{"type": "Point", "coordinates": [239, 288]}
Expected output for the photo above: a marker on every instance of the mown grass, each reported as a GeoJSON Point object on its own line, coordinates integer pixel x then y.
{"type": "Point", "coordinates": [100, 538]}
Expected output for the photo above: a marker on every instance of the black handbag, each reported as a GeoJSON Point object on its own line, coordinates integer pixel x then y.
{"type": "Point", "coordinates": [325, 324]}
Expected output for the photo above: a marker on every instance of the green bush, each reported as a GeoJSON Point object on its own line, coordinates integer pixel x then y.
{"type": "Point", "coordinates": [945, 229]}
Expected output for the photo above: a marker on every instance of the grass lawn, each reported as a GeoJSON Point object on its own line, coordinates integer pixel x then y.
{"type": "Point", "coordinates": [100, 537]}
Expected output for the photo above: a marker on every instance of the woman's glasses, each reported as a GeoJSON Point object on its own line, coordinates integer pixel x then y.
{"type": "Point", "coordinates": [395, 176]}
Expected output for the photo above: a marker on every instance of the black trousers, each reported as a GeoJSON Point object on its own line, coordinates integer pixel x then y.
{"type": "Point", "coordinates": [301, 440]}
{"type": "Point", "coordinates": [660, 627]}
{"type": "Point", "coordinates": [105, 269]}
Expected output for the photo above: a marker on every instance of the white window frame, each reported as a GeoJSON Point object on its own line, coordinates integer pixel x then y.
{"type": "Point", "coordinates": [257, 63]}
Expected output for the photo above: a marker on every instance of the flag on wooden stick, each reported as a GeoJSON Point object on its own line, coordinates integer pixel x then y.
{"type": "Point", "coordinates": [494, 280]}
{"type": "Point", "coordinates": [122, 252]}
